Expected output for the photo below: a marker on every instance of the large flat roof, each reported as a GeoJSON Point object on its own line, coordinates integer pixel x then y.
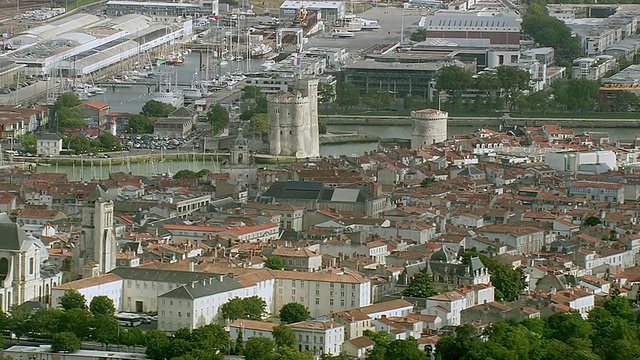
{"type": "Point", "coordinates": [291, 4]}
{"type": "Point", "coordinates": [377, 65]}
{"type": "Point", "coordinates": [151, 3]}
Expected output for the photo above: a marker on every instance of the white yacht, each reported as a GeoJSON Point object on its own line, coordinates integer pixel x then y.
{"type": "Point", "coordinates": [369, 24]}
{"type": "Point", "coordinates": [191, 93]}
{"type": "Point", "coordinates": [170, 96]}
{"type": "Point", "coordinates": [343, 34]}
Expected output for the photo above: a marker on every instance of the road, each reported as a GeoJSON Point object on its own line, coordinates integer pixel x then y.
{"type": "Point", "coordinates": [390, 20]}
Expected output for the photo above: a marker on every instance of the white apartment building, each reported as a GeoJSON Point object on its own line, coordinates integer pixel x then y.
{"type": "Point", "coordinates": [321, 337]}
{"type": "Point", "coordinates": [321, 292]}
{"type": "Point", "coordinates": [576, 298]}
{"type": "Point", "coordinates": [197, 303]}
{"type": "Point", "coordinates": [355, 322]}
{"type": "Point", "coordinates": [255, 233]}
{"type": "Point", "coordinates": [447, 306]}
{"type": "Point", "coordinates": [251, 328]}
{"type": "Point", "coordinates": [375, 250]}
{"type": "Point", "coordinates": [393, 308]}
{"type": "Point", "coordinates": [49, 145]}
{"type": "Point", "coordinates": [109, 285]}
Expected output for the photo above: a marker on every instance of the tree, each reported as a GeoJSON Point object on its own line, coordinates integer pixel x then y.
{"type": "Point", "coordinates": [322, 127]}
{"type": "Point", "coordinates": [67, 100]}
{"type": "Point", "coordinates": [131, 337]}
{"type": "Point", "coordinates": [378, 99]}
{"type": "Point", "coordinates": [251, 92]}
{"type": "Point", "coordinates": [512, 81]}
{"type": "Point", "coordinates": [404, 349]}
{"type": "Point", "coordinates": [274, 262]}
{"type": "Point", "coordinates": [326, 93]}
{"type": "Point", "coordinates": [569, 328]}
{"type": "Point", "coordinates": [185, 174]}
{"type": "Point", "coordinates": [418, 35]}
{"type": "Point", "coordinates": [258, 348]}
{"type": "Point", "coordinates": [65, 341]}
{"type": "Point", "coordinates": [69, 118]}
{"type": "Point", "coordinates": [218, 117]}
{"type": "Point", "coordinates": [259, 122]}
{"type": "Point", "coordinates": [457, 346]}
{"type": "Point", "coordinates": [29, 143]}
{"type": "Point", "coordinates": [620, 307]}
{"type": "Point", "coordinates": [549, 31]}
{"type": "Point", "coordinates": [140, 124]}
{"type": "Point", "coordinates": [109, 142]}
{"type": "Point", "coordinates": [290, 353]}
{"type": "Point", "coordinates": [157, 344]}
{"type": "Point", "coordinates": [72, 299]}
{"type": "Point", "coordinates": [250, 308]}
{"type": "Point", "coordinates": [347, 95]}
{"type": "Point", "coordinates": [102, 305]}
{"type": "Point", "coordinates": [77, 321]}
{"type": "Point", "coordinates": [105, 329]}
{"type": "Point", "coordinates": [79, 143]}
{"type": "Point", "coordinates": [453, 79]}
{"type": "Point", "coordinates": [426, 182]}
{"type": "Point", "coordinates": [508, 282]}
{"type": "Point", "coordinates": [154, 108]}
{"type": "Point", "coordinates": [284, 336]}
{"type": "Point", "coordinates": [210, 336]}
{"type": "Point", "coordinates": [45, 322]}
{"type": "Point", "coordinates": [421, 285]}
{"type": "Point", "coordinates": [19, 320]}
{"type": "Point", "coordinates": [294, 312]}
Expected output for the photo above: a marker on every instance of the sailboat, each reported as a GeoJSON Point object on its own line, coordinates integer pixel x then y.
{"type": "Point", "coordinates": [192, 92]}
{"type": "Point", "coordinates": [170, 95]}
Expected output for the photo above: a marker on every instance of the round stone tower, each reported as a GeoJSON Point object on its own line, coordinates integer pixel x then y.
{"type": "Point", "coordinates": [428, 127]}
{"type": "Point", "coordinates": [293, 121]}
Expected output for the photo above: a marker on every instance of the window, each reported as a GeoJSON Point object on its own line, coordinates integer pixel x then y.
{"type": "Point", "coordinates": [342, 302]}
{"type": "Point", "coordinates": [31, 268]}
{"type": "Point", "coordinates": [317, 292]}
{"type": "Point", "coordinates": [179, 313]}
{"type": "Point", "coordinates": [317, 301]}
{"type": "Point", "coordinates": [331, 302]}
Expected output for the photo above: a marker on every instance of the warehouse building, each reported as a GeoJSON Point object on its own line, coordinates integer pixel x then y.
{"type": "Point", "coordinates": [162, 9]}
{"type": "Point", "coordinates": [329, 10]}
{"type": "Point", "coordinates": [87, 49]}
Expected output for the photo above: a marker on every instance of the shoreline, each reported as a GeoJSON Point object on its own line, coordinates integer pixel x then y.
{"type": "Point", "coordinates": [481, 121]}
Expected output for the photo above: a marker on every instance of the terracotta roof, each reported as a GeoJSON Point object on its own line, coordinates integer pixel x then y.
{"type": "Point", "coordinates": [89, 282]}
{"type": "Point", "coordinates": [253, 325]}
{"type": "Point", "coordinates": [386, 306]}
{"type": "Point", "coordinates": [95, 104]}
{"type": "Point", "coordinates": [361, 342]}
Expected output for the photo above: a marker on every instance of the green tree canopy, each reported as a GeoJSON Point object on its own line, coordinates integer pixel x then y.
{"type": "Point", "coordinates": [421, 285]}
{"type": "Point", "coordinates": [140, 124]}
{"type": "Point", "coordinates": [250, 308]}
{"type": "Point", "coordinates": [549, 31]}
{"type": "Point", "coordinates": [251, 92]}
{"type": "Point", "coordinates": [274, 262]}
{"type": "Point", "coordinates": [294, 312]}
{"type": "Point", "coordinates": [453, 79]}
{"type": "Point", "coordinates": [419, 35]}
{"type": "Point", "coordinates": [157, 344]}
{"type": "Point", "coordinates": [45, 322]}
{"type": "Point", "coordinates": [67, 100]}
{"type": "Point", "coordinates": [378, 99]}
{"type": "Point", "coordinates": [72, 299]}
{"type": "Point", "coordinates": [109, 142]}
{"type": "Point", "coordinates": [19, 320]}
{"type": "Point", "coordinates": [185, 174]}
{"type": "Point", "coordinates": [29, 143]}
{"type": "Point", "coordinates": [65, 341]}
{"type": "Point", "coordinates": [347, 95]}
{"type": "Point", "coordinates": [154, 108]}
{"type": "Point", "coordinates": [258, 348]}
{"type": "Point", "coordinates": [259, 122]}
{"type": "Point", "coordinates": [102, 305]}
{"type": "Point", "coordinates": [284, 336]}
{"type": "Point", "coordinates": [105, 329]}
{"type": "Point", "coordinates": [326, 93]}
{"type": "Point", "coordinates": [77, 321]}
{"type": "Point", "coordinates": [218, 117]}
{"type": "Point", "coordinates": [69, 118]}
{"type": "Point", "coordinates": [79, 143]}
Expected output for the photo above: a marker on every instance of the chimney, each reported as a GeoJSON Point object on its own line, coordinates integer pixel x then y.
{"type": "Point", "coordinates": [221, 278]}
{"type": "Point", "coordinates": [192, 266]}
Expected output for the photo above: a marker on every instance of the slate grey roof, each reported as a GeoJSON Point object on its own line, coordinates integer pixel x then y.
{"type": "Point", "coordinates": [49, 137]}
{"type": "Point", "coordinates": [168, 276]}
{"type": "Point", "coordinates": [97, 193]}
{"type": "Point", "coordinates": [181, 112]}
{"type": "Point", "coordinates": [295, 190]}
{"type": "Point", "coordinates": [12, 235]}
{"type": "Point", "coordinates": [206, 287]}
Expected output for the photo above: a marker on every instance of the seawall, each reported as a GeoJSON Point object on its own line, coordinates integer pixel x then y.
{"type": "Point", "coordinates": [481, 121]}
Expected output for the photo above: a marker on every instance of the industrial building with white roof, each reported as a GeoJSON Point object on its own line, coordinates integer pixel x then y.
{"type": "Point", "coordinates": [82, 43]}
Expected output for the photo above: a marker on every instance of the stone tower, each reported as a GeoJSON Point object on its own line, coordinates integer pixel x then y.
{"type": "Point", "coordinates": [428, 127]}
{"type": "Point", "coordinates": [293, 121]}
{"type": "Point", "coordinates": [240, 167]}
{"type": "Point", "coordinates": [98, 244]}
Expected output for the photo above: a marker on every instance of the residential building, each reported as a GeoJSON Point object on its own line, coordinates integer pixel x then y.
{"type": "Point", "coordinates": [291, 218]}
{"type": "Point", "coordinates": [447, 306]}
{"type": "Point", "coordinates": [321, 292]}
{"type": "Point", "coordinates": [177, 125]}
{"type": "Point", "coordinates": [196, 303]}
{"type": "Point", "coordinates": [524, 239]}
{"type": "Point", "coordinates": [110, 285]}
{"type": "Point", "coordinates": [251, 328]}
{"type": "Point", "coordinates": [392, 308]}
{"type": "Point", "coordinates": [319, 336]}
{"type": "Point", "coordinates": [598, 191]}
{"type": "Point", "coordinates": [357, 348]}
{"type": "Point", "coordinates": [302, 259]}
{"type": "Point", "coordinates": [574, 298]}
{"type": "Point", "coordinates": [593, 68]}
{"type": "Point", "coordinates": [355, 322]}
{"type": "Point", "coordinates": [94, 113]}
{"type": "Point", "coordinates": [48, 145]}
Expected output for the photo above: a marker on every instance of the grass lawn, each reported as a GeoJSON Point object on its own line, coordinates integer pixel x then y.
{"type": "Point", "coordinates": [71, 4]}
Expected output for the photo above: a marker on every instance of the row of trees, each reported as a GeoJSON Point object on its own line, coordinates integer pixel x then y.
{"type": "Point", "coordinates": [142, 123]}
{"type": "Point", "coordinates": [255, 308]}
{"type": "Point", "coordinates": [611, 332]}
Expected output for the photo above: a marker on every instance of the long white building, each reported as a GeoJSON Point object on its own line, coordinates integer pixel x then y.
{"type": "Point", "coordinates": [85, 43]}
